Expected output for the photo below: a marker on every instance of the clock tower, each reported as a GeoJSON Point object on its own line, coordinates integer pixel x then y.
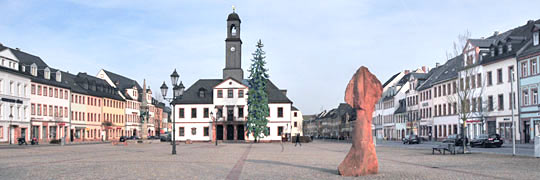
{"type": "Point", "coordinates": [233, 49]}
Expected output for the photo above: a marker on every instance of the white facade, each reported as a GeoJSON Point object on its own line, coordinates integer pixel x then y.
{"type": "Point", "coordinates": [195, 122]}
{"type": "Point", "coordinates": [296, 125]}
{"type": "Point", "coordinates": [499, 91]}
{"type": "Point", "coordinates": [14, 106]}
{"type": "Point", "coordinates": [49, 109]}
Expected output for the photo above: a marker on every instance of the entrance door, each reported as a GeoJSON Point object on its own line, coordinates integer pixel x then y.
{"type": "Point", "coordinates": [23, 133]}
{"type": "Point", "coordinates": [134, 132]}
{"type": "Point", "coordinates": [230, 132]}
{"type": "Point", "coordinates": [240, 132]}
{"type": "Point", "coordinates": [219, 132]}
{"type": "Point", "coordinates": [492, 127]}
{"type": "Point", "coordinates": [71, 135]}
{"type": "Point", "coordinates": [526, 131]}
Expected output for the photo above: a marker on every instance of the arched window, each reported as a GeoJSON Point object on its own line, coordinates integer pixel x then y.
{"type": "Point", "coordinates": [233, 30]}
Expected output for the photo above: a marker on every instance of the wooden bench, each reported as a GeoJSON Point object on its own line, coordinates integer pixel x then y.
{"type": "Point", "coordinates": [442, 148]}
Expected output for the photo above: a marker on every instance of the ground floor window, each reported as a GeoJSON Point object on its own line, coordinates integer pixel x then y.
{"type": "Point", "coordinates": [52, 132]}
{"type": "Point", "coordinates": [44, 132]}
{"type": "Point", "coordinates": [78, 133]}
{"type": "Point", "coordinates": [505, 130]}
{"type": "Point", "coordinates": [35, 132]}
{"type": "Point", "coordinates": [280, 130]}
{"type": "Point", "coordinates": [181, 131]}
{"type": "Point", "coordinates": [205, 131]}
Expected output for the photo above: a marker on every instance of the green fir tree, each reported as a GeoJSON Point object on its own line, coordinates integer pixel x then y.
{"type": "Point", "coordinates": [257, 96]}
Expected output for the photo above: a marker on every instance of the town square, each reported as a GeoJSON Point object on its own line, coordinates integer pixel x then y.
{"type": "Point", "coordinates": [259, 161]}
{"type": "Point", "coordinates": [304, 90]}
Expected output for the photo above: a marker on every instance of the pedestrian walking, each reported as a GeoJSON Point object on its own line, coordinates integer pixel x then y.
{"type": "Point", "coordinates": [298, 140]}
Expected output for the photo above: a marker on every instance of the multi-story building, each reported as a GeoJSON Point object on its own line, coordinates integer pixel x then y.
{"type": "Point", "coordinates": [226, 98]}
{"type": "Point", "coordinates": [498, 66]}
{"type": "Point", "coordinates": [132, 92]}
{"type": "Point", "coordinates": [113, 112]}
{"type": "Point", "coordinates": [158, 117]}
{"type": "Point", "coordinates": [15, 97]}
{"type": "Point", "coordinates": [528, 73]}
{"type": "Point", "coordinates": [438, 100]}
{"type": "Point", "coordinates": [385, 107]}
{"type": "Point", "coordinates": [87, 101]}
{"type": "Point", "coordinates": [50, 106]}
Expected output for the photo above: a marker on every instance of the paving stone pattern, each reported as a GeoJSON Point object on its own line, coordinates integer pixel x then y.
{"type": "Point", "coordinates": [318, 160]}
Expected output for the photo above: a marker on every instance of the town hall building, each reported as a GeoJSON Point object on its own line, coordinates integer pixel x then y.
{"type": "Point", "coordinates": [225, 101]}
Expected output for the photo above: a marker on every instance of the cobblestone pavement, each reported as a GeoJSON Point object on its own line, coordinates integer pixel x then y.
{"type": "Point", "coordinates": [318, 160]}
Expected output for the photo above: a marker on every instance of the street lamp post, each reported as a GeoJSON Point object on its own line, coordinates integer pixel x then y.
{"type": "Point", "coordinates": [178, 91]}
{"type": "Point", "coordinates": [9, 129]}
{"type": "Point", "coordinates": [512, 105]}
{"type": "Point", "coordinates": [214, 133]}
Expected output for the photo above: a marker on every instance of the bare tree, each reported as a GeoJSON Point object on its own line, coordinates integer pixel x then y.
{"type": "Point", "coordinates": [458, 45]}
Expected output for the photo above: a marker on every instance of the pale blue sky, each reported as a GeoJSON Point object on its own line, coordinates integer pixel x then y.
{"type": "Point", "coordinates": [313, 47]}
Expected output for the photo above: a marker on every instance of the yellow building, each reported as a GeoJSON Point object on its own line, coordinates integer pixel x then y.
{"type": "Point", "coordinates": [93, 103]}
{"type": "Point", "coordinates": [113, 117]}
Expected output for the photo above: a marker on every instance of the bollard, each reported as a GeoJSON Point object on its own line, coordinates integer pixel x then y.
{"type": "Point", "coordinates": [537, 146]}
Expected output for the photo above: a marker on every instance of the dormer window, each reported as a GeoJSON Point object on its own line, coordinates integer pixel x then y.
{"type": "Point", "coordinates": [47, 73]}
{"type": "Point", "coordinates": [500, 50]}
{"type": "Point", "coordinates": [58, 76]}
{"type": "Point", "coordinates": [535, 37]}
{"type": "Point", "coordinates": [492, 51]}
{"type": "Point", "coordinates": [202, 93]}
{"type": "Point", "coordinates": [33, 69]}
{"type": "Point", "coordinates": [509, 47]}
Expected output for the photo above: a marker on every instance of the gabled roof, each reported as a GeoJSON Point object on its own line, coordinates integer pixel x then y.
{"type": "Point", "coordinates": [83, 83]}
{"type": "Point", "coordinates": [402, 107]}
{"type": "Point", "coordinates": [123, 83]}
{"type": "Point", "coordinates": [391, 79]}
{"type": "Point", "coordinates": [482, 43]}
{"type": "Point", "coordinates": [517, 37]}
{"type": "Point", "coordinates": [26, 58]}
{"type": "Point", "coordinates": [191, 95]}
{"type": "Point", "coordinates": [445, 72]}
{"type": "Point", "coordinates": [530, 49]}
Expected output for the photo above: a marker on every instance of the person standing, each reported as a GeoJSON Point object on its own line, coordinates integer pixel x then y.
{"type": "Point", "coordinates": [298, 140]}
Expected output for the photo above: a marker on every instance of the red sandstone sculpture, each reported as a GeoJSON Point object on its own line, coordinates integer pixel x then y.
{"type": "Point", "coordinates": [363, 91]}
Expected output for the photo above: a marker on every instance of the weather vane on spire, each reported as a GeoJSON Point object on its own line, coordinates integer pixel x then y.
{"type": "Point", "coordinates": [233, 8]}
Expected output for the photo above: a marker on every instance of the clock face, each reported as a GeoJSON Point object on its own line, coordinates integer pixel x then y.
{"type": "Point", "coordinates": [232, 49]}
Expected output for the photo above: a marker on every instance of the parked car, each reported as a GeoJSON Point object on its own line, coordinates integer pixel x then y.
{"type": "Point", "coordinates": [456, 139]}
{"type": "Point", "coordinates": [134, 137]}
{"type": "Point", "coordinates": [165, 137]}
{"type": "Point", "coordinates": [411, 139]}
{"type": "Point", "coordinates": [123, 138]}
{"type": "Point", "coordinates": [484, 140]}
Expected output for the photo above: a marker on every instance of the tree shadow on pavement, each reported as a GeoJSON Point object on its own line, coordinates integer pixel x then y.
{"type": "Point", "coordinates": [331, 171]}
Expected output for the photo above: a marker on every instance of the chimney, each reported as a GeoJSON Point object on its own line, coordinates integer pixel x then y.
{"type": "Point", "coordinates": [424, 69]}
{"type": "Point", "coordinates": [284, 91]}
{"type": "Point", "coordinates": [406, 71]}
{"type": "Point", "coordinates": [496, 33]}
{"type": "Point", "coordinates": [437, 64]}
{"type": "Point", "coordinates": [530, 21]}
{"type": "Point", "coordinates": [17, 49]}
